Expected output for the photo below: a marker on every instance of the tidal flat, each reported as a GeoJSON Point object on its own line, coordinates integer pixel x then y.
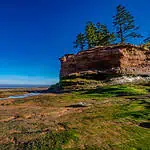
{"type": "Point", "coordinates": [8, 92]}
{"type": "Point", "coordinates": [112, 118]}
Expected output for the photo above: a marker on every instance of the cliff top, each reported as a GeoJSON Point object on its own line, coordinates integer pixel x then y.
{"type": "Point", "coordinates": [110, 47]}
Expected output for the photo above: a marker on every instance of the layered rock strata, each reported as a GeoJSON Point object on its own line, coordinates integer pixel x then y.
{"type": "Point", "coordinates": [111, 60]}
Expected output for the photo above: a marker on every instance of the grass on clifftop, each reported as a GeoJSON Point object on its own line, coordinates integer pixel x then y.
{"type": "Point", "coordinates": [117, 118]}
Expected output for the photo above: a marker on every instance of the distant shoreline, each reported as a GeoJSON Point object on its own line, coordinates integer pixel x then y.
{"type": "Point", "coordinates": [18, 91]}
{"type": "Point", "coordinates": [15, 86]}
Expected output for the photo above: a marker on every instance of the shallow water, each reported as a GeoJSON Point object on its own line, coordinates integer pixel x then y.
{"type": "Point", "coordinates": [21, 96]}
{"type": "Point", "coordinates": [14, 86]}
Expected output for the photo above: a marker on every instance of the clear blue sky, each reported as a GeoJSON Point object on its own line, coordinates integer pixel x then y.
{"type": "Point", "coordinates": [35, 33]}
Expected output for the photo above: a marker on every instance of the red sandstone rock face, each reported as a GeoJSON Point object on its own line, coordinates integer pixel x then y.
{"type": "Point", "coordinates": [135, 61]}
{"type": "Point", "coordinates": [127, 59]}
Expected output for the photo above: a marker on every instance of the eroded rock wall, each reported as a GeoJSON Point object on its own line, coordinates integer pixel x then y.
{"type": "Point", "coordinates": [135, 61]}
{"type": "Point", "coordinates": [122, 59]}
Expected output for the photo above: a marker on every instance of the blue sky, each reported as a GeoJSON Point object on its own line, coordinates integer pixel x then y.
{"type": "Point", "coordinates": [35, 33]}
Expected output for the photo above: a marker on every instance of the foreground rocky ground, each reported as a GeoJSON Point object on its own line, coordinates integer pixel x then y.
{"type": "Point", "coordinates": [111, 117]}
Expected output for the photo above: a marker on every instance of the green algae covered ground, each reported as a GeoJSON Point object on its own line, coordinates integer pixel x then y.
{"type": "Point", "coordinates": [115, 118]}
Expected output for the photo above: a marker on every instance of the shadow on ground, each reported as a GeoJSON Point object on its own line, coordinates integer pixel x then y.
{"type": "Point", "coordinates": [145, 124]}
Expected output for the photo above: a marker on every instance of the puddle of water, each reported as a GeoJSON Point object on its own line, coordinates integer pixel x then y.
{"type": "Point", "coordinates": [21, 96]}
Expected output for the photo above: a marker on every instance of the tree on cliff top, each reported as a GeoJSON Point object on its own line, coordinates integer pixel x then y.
{"type": "Point", "coordinates": [104, 37]}
{"type": "Point", "coordinates": [95, 35]}
{"type": "Point", "coordinates": [125, 25]}
{"type": "Point", "coordinates": [147, 42]}
{"type": "Point", "coordinates": [80, 41]}
{"type": "Point", "coordinates": [90, 34]}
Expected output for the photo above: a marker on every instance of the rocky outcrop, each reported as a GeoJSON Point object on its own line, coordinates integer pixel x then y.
{"type": "Point", "coordinates": [111, 60]}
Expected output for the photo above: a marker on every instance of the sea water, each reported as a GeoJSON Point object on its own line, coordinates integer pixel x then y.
{"type": "Point", "coordinates": [21, 96]}
{"type": "Point", "coordinates": [15, 86]}
{"type": "Point", "coordinates": [12, 86]}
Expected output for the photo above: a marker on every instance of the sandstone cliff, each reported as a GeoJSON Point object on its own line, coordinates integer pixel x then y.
{"type": "Point", "coordinates": [111, 60]}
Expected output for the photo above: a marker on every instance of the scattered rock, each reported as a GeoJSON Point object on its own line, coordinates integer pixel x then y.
{"type": "Point", "coordinates": [129, 79]}
{"type": "Point", "coordinates": [80, 104]}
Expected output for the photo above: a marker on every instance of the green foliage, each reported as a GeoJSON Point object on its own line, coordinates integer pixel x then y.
{"type": "Point", "coordinates": [125, 25]}
{"type": "Point", "coordinates": [147, 42]}
{"type": "Point", "coordinates": [79, 84]}
{"type": "Point", "coordinates": [117, 90]}
{"type": "Point", "coordinates": [90, 33]}
{"type": "Point", "coordinates": [137, 110]}
{"type": "Point", "coordinates": [95, 35]}
{"type": "Point", "coordinates": [80, 41]}
{"type": "Point", "coordinates": [99, 35]}
{"type": "Point", "coordinates": [117, 118]}
{"type": "Point", "coordinates": [67, 82]}
{"type": "Point", "coordinates": [142, 114]}
{"type": "Point", "coordinates": [50, 141]}
{"type": "Point", "coordinates": [104, 37]}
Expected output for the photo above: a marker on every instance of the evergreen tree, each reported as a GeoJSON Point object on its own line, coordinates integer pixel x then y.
{"type": "Point", "coordinates": [104, 37]}
{"type": "Point", "coordinates": [90, 34]}
{"type": "Point", "coordinates": [147, 42]}
{"type": "Point", "coordinates": [125, 26]}
{"type": "Point", "coordinates": [80, 41]}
